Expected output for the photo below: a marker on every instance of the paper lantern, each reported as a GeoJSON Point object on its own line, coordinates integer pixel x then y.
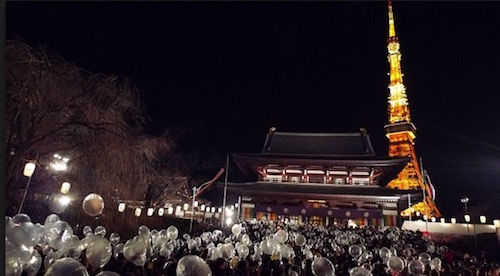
{"type": "Point", "coordinates": [65, 187]}
{"type": "Point", "coordinates": [121, 207]}
{"type": "Point", "coordinates": [138, 212]}
{"type": "Point", "coordinates": [161, 211]}
{"type": "Point", "coordinates": [150, 211]}
{"type": "Point", "coordinates": [29, 169]}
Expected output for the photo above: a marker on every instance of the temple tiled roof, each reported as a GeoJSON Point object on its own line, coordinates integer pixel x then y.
{"type": "Point", "coordinates": [318, 144]}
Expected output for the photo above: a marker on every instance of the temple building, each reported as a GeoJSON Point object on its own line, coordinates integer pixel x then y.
{"type": "Point", "coordinates": [320, 178]}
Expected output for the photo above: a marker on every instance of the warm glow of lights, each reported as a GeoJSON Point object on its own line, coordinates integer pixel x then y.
{"type": "Point", "coordinates": [170, 210]}
{"type": "Point", "coordinates": [453, 220]}
{"type": "Point", "coordinates": [195, 204]}
{"type": "Point", "coordinates": [229, 221]}
{"type": "Point", "coordinates": [161, 211]}
{"type": "Point", "coordinates": [496, 223]}
{"type": "Point", "coordinates": [418, 214]}
{"type": "Point", "coordinates": [213, 210]}
{"type": "Point", "coordinates": [467, 218]}
{"type": "Point", "coordinates": [138, 212]}
{"type": "Point", "coordinates": [60, 163]}
{"type": "Point", "coordinates": [433, 219]}
{"type": "Point", "coordinates": [202, 207]}
{"type": "Point", "coordinates": [482, 219]}
{"type": "Point", "coordinates": [29, 169]}
{"type": "Point", "coordinates": [186, 206]}
{"type": "Point", "coordinates": [236, 205]}
{"type": "Point", "coordinates": [220, 210]}
{"type": "Point", "coordinates": [64, 200]}
{"type": "Point", "coordinates": [229, 212]}
{"type": "Point", "coordinates": [65, 187]}
{"type": "Point", "coordinates": [442, 220]}
{"type": "Point", "coordinates": [121, 207]}
{"type": "Point", "coordinates": [425, 217]}
{"type": "Point", "coordinates": [150, 211]}
{"type": "Point", "coordinates": [178, 209]}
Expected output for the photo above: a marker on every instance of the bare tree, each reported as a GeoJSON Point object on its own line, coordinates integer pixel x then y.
{"type": "Point", "coordinates": [95, 120]}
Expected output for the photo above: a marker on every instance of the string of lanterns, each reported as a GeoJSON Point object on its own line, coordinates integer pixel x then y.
{"type": "Point", "coordinates": [178, 210]}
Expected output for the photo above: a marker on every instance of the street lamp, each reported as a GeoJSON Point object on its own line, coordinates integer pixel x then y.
{"type": "Point", "coordinates": [65, 187]}
{"type": "Point", "coordinates": [465, 200]}
{"type": "Point", "coordinates": [28, 171]}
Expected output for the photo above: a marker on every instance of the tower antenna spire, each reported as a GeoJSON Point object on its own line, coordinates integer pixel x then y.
{"type": "Point", "coordinates": [392, 28]}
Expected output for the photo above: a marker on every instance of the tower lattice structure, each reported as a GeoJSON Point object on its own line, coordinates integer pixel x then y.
{"type": "Point", "coordinates": [401, 132]}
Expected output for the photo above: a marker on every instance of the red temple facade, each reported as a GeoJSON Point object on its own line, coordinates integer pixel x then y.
{"type": "Point", "coordinates": [320, 178]}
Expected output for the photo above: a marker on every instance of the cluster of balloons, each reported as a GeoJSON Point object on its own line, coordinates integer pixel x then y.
{"type": "Point", "coordinates": [62, 248]}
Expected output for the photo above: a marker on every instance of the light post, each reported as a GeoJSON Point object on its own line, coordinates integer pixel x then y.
{"type": "Point", "coordinates": [28, 171]}
{"type": "Point", "coordinates": [465, 200]}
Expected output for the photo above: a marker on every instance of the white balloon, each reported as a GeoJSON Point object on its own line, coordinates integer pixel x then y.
{"type": "Point", "coordinates": [98, 252]}
{"type": "Point", "coordinates": [172, 232]}
{"type": "Point", "coordinates": [192, 265]}
{"type": "Point", "coordinates": [236, 229]}
{"type": "Point", "coordinates": [66, 266]}
{"type": "Point", "coordinates": [281, 236]}
{"type": "Point", "coordinates": [13, 263]}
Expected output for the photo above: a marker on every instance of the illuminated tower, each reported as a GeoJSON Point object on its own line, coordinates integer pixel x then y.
{"type": "Point", "coordinates": [400, 131]}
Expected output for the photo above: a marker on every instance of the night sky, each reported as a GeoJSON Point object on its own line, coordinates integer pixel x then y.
{"type": "Point", "coordinates": [232, 70]}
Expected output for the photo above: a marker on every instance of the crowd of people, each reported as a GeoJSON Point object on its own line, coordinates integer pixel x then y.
{"type": "Point", "coordinates": [248, 248]}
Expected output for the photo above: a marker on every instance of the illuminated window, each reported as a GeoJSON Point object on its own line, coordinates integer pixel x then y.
{"type": "Point", "coordinates": [316, 179]}
{"type": "Point", "coordinates": [338, 180]}
{"type": "Point", "coordinates": [274, 178]}
{"type": "Point", "coordinates": [360, 180]}
{"type": "Point", "coordinates": [294, 179]}
{"type": "Point", "coordinates": [316, 220]}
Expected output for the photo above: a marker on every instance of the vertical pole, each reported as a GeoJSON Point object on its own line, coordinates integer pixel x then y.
{"type": "Point", "coordinates": [409, 204]}
{"type": "Point", "coordinates": [223, 215]}
{"type": "Point", "coordinates": [24, 195]}
{"type": "Point", "coordinates": [192, 211]}
{"type": "Point", "coordinates": [239, 208]}
{"type": "Point", "coordinates": [27, 187]}
{"type": "Point", "coordinates": [425, 198]}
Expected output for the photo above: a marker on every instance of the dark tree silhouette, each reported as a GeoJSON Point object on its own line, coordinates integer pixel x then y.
{"type": "Point", "coordinates": [95, 120]}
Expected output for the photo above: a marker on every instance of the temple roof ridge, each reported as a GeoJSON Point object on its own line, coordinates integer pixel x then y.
{"type": "Point", "coordinates": [310, 143]}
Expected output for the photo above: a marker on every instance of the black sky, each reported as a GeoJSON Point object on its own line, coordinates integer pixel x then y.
{"type": "Point", "coordinates": [234, 69]}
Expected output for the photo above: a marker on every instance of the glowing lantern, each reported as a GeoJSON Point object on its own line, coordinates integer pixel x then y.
{"type": "Point", "coordinates": [29, 169]}
{"type": "Point", "coordinates": [467, 218]}
{"type": "Point", "coordinates": [170, 210]}
{"type": "Point", "coordinates": [482, 219]}
{"type": "Point", "coordinates": [453, 220]}
{"type": "Point", "coordinates": [213, 209]}
{"type": "Point", "coordinates": [496, 223]}
{"type": "Point", "coordinates": [442, 220]}
{"type": "Point", "coordinates": [150, 211]}
{"type": "Point", "coordinates": [186, 206]}
{"type": "Point", "coordinates": [433, 219]}
{"type": "Point", "coordinates": [138, 212]}
{"type": "Point", "coordinates": [195, 204]}
{"type": "Point", "coordinates": [65, 187]}
{"type": "Point", "coordinates": [202, 207]}
{"type": "Point", "coordinates": [161, 211]}
{"type": "Point", "coordinates": [121, 207]}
